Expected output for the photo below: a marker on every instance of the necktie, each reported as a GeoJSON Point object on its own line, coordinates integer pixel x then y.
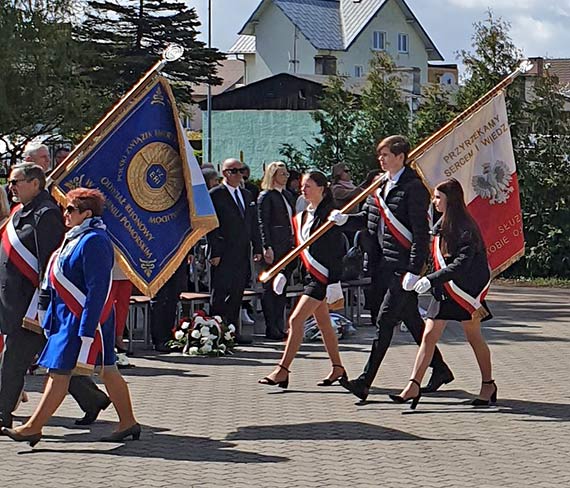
{"type": "Point", "coordinates": [239, 204]}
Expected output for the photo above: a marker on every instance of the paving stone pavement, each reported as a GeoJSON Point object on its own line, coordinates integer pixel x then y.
{"type": "Point", "coordinates": [207, 423]}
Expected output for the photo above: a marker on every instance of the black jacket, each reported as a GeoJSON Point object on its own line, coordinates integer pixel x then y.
{"type": "Point", "coordinates": [235, 236]}
{"type": "Point", "coordinates": [329, 248]}
{"type": "Point", "coordinates": [408, 200]}
{"type": "Point", "coordinates": [39, 222]}
{"type": "Point", "coordinates": [467, 266]}
{"type": "Point", "coordinates": [274, 222]}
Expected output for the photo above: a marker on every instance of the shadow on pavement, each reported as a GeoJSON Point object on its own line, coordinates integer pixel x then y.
{"type": "Point", "coordinates": [317, 431]}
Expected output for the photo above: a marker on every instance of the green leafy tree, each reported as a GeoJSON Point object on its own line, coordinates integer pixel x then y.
{"type": "Point", "coordinates": [434, 112]}
{"type": "Point", "coordinates": [126, 37]}
{"type": "Point", "coordinates": [42, 92]}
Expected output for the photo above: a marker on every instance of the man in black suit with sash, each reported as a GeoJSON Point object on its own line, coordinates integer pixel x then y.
{"type": "Point", "coordinates": [230, 245]}
{"type": "Point", "coordinates": [396, 219]}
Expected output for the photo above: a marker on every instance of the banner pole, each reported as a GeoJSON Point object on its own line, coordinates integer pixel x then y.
{"type": "Point", "coordinates": [424, 146]}
{"type": "Point", "coordinates": [171, 53]}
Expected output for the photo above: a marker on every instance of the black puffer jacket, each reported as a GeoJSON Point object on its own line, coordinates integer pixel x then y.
{"type": "Point", "coordinates": [408, 200]}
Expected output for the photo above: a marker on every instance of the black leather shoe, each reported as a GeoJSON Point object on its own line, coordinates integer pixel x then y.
{"type": "Point", "coordinates": [6, 421]}
{"type": "Point", "coordinates": [92, 415]}
{"type": "Point", "coordinates": [32, 440]}
{"type": "Point", "coordinates": [133, 431]}
{"type": "Point", "coordinates": [356, 387]}
{"type": "Point", "coordinates": [438, 378]}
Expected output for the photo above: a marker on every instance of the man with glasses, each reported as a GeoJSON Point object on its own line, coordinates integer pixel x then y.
{"type": "Point", "coordinates": [229, 246]}
{"type": "Point", "coordinates": [29, 237]}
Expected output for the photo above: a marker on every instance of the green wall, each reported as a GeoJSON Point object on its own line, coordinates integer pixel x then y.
{"type": "Point", "coordinates": [258, 133]}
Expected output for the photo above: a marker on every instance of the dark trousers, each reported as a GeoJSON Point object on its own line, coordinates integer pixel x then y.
{"type": "Point", "coordinates": [163, 306]}
{"type": "Point", "coordinates": [393, 305]}
{"type": "Point", "coordinates": [273, 306]}
{"type": "Point", "coordinates": [20, 350]}
{"type": "Point", "coordinates": [228, 283]}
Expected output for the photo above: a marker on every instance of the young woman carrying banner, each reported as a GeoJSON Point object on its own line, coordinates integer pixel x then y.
{"type": "Point", "coordinates": [459, 285]}
{"type": "Point", "coordinates": [322, 261]}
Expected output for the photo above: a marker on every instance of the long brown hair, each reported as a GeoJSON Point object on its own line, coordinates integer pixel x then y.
{"type": "Point", "coordinates": [457, 219]}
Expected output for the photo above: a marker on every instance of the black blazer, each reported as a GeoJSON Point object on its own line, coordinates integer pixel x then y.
{"type": "Point", "coordinates": [467, 266]}
{"type": "Point", "coordinates": [38, 222]}
{"type": "Point", "coordinates": [235, 236]}
{"type": "Point", "coordinates": [274, 223]}
{"type": "Point", "coordinates": [408, 200]}
{"type": "Point", "coordinates": [329, 248]}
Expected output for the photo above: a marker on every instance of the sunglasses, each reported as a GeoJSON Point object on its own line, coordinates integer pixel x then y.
{"type": "Point", "coordinates": [71, 208]}
{"type": "Point", "coordinates": [15, 182]}
{"type": "Point", "coordinates": [235, 171]}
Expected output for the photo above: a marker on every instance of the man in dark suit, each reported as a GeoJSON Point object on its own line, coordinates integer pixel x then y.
{"type": "Point", "coordinates": [229, 246]}
{"type": "Point", "coordinates": [33, 232]}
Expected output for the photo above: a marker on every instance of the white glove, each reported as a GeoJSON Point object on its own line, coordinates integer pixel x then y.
{"type": "Point", "coordinates": [279, 283]}
{"type": "Point", "coordinates": [334, 293]}
{"type": "Point", "coordinates": [86, 342]}
{"type": "Point", "coordinates": [337, 217]}
{"type": "Point", "coordinates": [409, 281]}
{"type": "Point", "coordinates": [422, 286]}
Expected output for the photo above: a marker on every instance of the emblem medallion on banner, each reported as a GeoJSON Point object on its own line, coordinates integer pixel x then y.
{"type": "Point", "coordinates": [155, 178]}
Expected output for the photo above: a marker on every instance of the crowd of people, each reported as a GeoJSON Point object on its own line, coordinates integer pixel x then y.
{"type": "Point", "coordinates": [67, 279]}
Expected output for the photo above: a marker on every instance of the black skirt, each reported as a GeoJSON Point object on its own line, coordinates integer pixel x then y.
{"type": "Point", "coordinates": [314, 288]}
{"type": "Point", "coordinates": [448, 309]}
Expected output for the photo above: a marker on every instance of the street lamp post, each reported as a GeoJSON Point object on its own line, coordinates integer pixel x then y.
{"type": "Point", "coordinates": [209, 92]}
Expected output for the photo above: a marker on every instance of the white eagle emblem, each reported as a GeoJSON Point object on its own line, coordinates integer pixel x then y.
{"type": "Point", "coordinates": [494, 183]}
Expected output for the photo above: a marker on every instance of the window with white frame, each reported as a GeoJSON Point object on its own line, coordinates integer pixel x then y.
{"type": "Point", "coordinates": [402, 43]}
{"type": "Point", "coordinates": [358, 71]}
{"type": "Point", "coordinates": [379, 41]}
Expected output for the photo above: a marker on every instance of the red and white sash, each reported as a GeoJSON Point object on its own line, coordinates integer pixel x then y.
{"type": "Point", "coordinates": [397, 229]}
{"type": "Point", "coordinates": [25, 261]}
{"type": "Point", "coordinates": [302, 233]}
{"type": "Point", "coordinates": [74, 299]}
{"type": "Point", "coordinates": [2, 344]}
{"type": "Point", "coordinates": [471, 304]}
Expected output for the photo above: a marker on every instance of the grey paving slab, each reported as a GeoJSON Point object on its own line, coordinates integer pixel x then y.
{"type": "Point", "coordinates": [207, 423]}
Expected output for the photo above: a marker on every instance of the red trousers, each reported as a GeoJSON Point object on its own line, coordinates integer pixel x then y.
{"type": "Point", "coordinates": [121, 294]}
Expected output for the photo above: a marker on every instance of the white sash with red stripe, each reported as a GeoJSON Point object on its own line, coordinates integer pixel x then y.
{"type": "Point", "coordinates": [302, 233]}
{"type": "Point", "coordinates": [74, 299]}
{"type": "Point", "coordinates": [397, 229]}
{"type": "Point", "coordinates": [471, 304]}
{"type": "Point", "coordinates": [25, 261]}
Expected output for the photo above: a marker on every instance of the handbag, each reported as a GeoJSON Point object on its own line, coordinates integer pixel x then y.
{"type": "Point", "coordinates": [353, 261]}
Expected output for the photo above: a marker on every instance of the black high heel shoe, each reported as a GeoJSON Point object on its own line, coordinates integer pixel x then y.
{"type": "Point", "coordinates": [415, 400]}
{"type": "Point", "coordinates": [329, 381]}
{"type": "Point", "coordinates": [281, 384]}
{"type": "Point", "coordinates": [133, 431]}
{"type": "Point", "coordinates": [479, 402]}
{"type": "Point", "coordinates": [30, 439]}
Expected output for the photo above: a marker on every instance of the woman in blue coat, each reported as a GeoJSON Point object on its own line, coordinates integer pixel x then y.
{"type": "Point", "coordinates": [79, 320]}
{"type": "Point", "coordinates": [459, 285]}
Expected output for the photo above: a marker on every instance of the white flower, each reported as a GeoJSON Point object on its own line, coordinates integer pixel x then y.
{"type": "Point", "coordinates": [193, 351]}
{"type": "Point", "coordinates": [179, 335]}
{"type": "Point", "coordinates": [185, 325]}
{"type": "Point", "coordinates": [231, 328]}
{"type": "Point", "coordinates": [199, 321]}
{"type": "Point", "coordinates": [205, 331]}
{"type": "Point", "coordinates": [228, 336]}
{"type": "Point", "coordinates": [195, 334]}
{"type": "Point", "coordinates": [212, 337]}
{"type": "Point", "coordinates": [206, 348]}
{"type": "Point", "coordinates": [218, 319]}
{"type": "Point", "coordinates": [222, 348]}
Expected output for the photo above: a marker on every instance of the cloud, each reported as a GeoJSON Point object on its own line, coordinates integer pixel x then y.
{"type": "Point", "coordinates": [514, 5]}
{"type": "Point", "coordinates": [540, 37]}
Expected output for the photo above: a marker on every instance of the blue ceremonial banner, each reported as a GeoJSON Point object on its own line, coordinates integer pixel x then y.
{"type": "Point", "coordinates": [157, 202]}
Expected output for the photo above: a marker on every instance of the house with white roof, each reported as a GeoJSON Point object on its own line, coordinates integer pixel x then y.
{"type": "Point", "coordinates": [327, 37]}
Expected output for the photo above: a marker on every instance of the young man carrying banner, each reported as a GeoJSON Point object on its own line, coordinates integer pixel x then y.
{"type": "Point", "coordinates": [396, 218]}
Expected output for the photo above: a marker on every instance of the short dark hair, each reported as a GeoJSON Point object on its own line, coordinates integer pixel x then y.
{"type": "Point", "coordinates": [87, 199]}
{"type": "Point", "coordinates": [32, 171]}
{"type": "Point", "coordinates": [396, 144]}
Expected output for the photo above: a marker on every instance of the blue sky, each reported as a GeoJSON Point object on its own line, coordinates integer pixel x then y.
{"type": "Point", "coordinates": [538, 27]}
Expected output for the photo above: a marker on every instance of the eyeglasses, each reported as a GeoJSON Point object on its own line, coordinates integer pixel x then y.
{"type": "Point", "coordinates": [346, 170]}
{"type": "Point", "coordinates": [235, 171]}
{"type": "Point", "coordinates": [71, 208]}
{"type": "Point", "coordinates": [15, 182]}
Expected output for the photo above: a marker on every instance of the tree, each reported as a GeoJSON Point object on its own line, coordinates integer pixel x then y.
{"type": "Point", "coordinates": [434, 112]}
{"type": "Point", "coordinates": [125, 38]}
{"type": "Point", "coordinates": [41, 91]}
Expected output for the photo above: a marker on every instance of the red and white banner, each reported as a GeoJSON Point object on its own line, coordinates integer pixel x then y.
{"type": "Point", "coordinates": [479, 154]}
